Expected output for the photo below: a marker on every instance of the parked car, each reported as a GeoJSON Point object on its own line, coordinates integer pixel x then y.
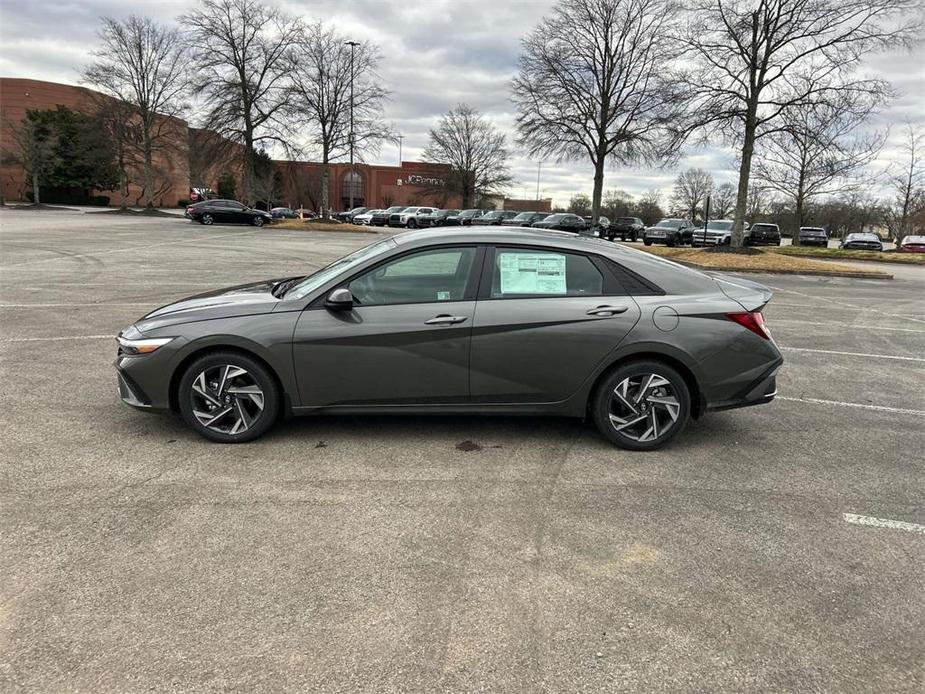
{"type": "Point", "coordinates": [762, 234]}
{"type": "Point", "coordinates": [283, 213]}
{"type": "Point", "coordinates": [349, 214]}
{"type": "Point", "coordinates": [630, 228]}
{"type": "Point", "coordinates": [718, 232]}
{"type": "Point", "coordinates": [649, 343]}
{"type": "Point", "coordinates": [562, 221]}
{"type": "Point", "coordinates": [600, 229]}
{"type": "Point", "coordinates": [524, 219]}
{"type": "Point", "coordinates": [913, 244]}
{"type": "Point", "coordinates": [228, 211]}
{"type": "Point", "coordinates": [813, 236]}
{"type": "Point", "coordinates": [381, 218]}
{"type": "Point", "coordinates": [464, 218]}
{"type": "Point", "coordinates": [437, 218]}
{"type": "Point", "coordinates": [862, 242]}
{"type": "Point", "coordinates": [364, 218]}
{"type": "Point", "coordinates": [671, 232]}
{"type": "Point", "coordinates": [494, 218]}
{"type": "Point", "coordinates": [189, 208]}
{"type": "Point", "coordinates": [408, 216]}
{"type": "Point", "coordinates": [302, 213]}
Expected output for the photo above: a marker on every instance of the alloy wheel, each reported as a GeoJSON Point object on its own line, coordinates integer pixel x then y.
{"type": "Point", "coordinates": [207, 219]}
{"type": "Point", "coordinates": [258, 221]}
{"type": "Point", "coordinates": [644, 407]}
{"type": "Point", "coordinates": [227, 399]}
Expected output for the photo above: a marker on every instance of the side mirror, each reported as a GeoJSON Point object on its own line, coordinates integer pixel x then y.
{"type": "Point", "coordinates": [339, 300]}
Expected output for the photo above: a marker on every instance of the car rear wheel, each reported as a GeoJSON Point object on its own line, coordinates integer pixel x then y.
{"type": "Point", "coordinates": [642, 405]}
{"type": "Point", "coordinates": [206, 219]}
{"type": "Point", "coordinates": [228, 397]}
{"type": "Point", "coordinates": [647, 242]}
{"type": "Point", "coordinates": [257, 221]}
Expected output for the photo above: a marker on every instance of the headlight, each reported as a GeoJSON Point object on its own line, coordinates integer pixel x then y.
{"type": "Point", "coordinates": [144, 345]}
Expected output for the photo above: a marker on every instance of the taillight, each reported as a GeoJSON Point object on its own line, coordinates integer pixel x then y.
{"type": "Point", "coordinates": [752, 320]}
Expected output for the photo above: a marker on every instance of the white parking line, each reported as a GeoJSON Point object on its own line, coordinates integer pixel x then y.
{"type": "Point", "coordinates": [859, 405]}
{"type": "Point", "coordinates": [850, 354]}
{"type": "Point", "coordinates": [883, 523]}
{"type": "Point", "coordinates": [75, 256]}
{"type": "Point", "coordinates": [59, 339]}
{"type": "Point", "coordinates": [840, 305]}
{"type": "Point", "coordinates": [831, 324]}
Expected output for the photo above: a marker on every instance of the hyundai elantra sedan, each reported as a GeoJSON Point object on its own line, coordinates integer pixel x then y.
{"type": "Point", "coordinates": [475, 321]}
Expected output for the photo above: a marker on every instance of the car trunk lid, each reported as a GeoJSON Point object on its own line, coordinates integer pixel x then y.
{"type": "Point", "coordinates": [749, 295]}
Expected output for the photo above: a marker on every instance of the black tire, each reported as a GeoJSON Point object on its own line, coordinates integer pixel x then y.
{"type": "Point", "coordinates": [647, 242]}
{"type": "Point", "coordinates": [412, 223]}
{"type": "Point", "coordinates": [206, 219]}
{"type": "Point", "coordinates": [602, 398]}
{"type": "Point", "coordinates": [257, 221]}
{"type": "Point", "coordinates": [260, 375]}
{"type": "Point", "coordinates": [669, 242]}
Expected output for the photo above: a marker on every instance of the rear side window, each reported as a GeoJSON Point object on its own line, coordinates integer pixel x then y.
{"type": "Point", "coordinates": [526, 273]}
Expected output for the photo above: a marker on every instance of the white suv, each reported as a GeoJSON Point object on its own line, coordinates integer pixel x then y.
{"type": "Point", "coordinates": [405, 218]}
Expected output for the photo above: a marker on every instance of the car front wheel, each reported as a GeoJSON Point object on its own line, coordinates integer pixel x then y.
{"type": "Point", "coordinates": [206, 219]}
{"type": "Point", "coordinates": [257, 221]}
{"type": "Point", "coordinates": [647, 242]}
{"type": "Point", "coordinates": [642, 405]}
{"type": "Point", "coordinates": [228, 397]}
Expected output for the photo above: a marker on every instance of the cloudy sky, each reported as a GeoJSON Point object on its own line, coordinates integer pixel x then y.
{"type": "Point", "coordinates": [436, 53]}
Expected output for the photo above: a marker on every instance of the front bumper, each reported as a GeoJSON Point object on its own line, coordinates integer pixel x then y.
{"type": "Point", "coordinates": [143, 381]}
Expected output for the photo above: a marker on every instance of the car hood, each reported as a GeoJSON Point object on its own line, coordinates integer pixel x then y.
{"type": "Point", "coordinates": [241, 300]}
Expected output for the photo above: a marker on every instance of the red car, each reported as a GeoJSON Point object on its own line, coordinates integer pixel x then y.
{"type": "Point", "coordinates": [913, 244]}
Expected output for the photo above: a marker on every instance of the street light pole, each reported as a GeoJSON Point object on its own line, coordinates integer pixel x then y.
{"type": "Point", "coordinates": [400, 138]}
{"type": "Point", "coordinates": [353, 45]}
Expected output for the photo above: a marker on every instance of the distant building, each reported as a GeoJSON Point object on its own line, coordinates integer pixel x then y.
{"type": "Point", "coordinates": [197, 158]}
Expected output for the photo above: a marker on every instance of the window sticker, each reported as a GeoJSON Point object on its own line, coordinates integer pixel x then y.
{"type": "Point", "coordinates": [443, 296]}
{"type": "Point", "coordinates": [532, 273]}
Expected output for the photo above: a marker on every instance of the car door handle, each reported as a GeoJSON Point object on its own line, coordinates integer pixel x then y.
{"type": "Point", "coordinates": [445, 319]}
{"type": "Point", "coordinates": [605, 311]}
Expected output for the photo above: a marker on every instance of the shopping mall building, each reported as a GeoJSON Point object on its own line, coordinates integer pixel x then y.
{"type": "Point", "coordinates": [197, 158]}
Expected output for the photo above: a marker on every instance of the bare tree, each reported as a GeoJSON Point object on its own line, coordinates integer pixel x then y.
{"type": "Point", "coordinates": [755, 61]}
{"type": "Point", "coordinates": [593, 85]}
{"type": "Point", "coordinates": [242, 52]}
{"type": "Point", "coordinates": [474, 150]}
{"type": "Point", "coordinates": [756, 203]}
{"type": "Point", "coordinates": [579, 204]}
{"type": "Point", "coordinates": [691, 189]}
{"type": "Point", "coordinates": [145, 65]}
{"type": "Point", "coordinates": [649, 207]}
{"type": "Point", "coordinates": [34, 148]}
{"type": "Point", "coordinates": [907, 212]}
{"type": "Point", "coordinates": [818, 151]}
{"type": "Point", "coordinates": [722, 201]}
{"type": "Point", "coordinates": [321, 79]}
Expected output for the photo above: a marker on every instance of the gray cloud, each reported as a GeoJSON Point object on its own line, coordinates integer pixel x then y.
{"type": "Point", "coordinates": [436, 53]}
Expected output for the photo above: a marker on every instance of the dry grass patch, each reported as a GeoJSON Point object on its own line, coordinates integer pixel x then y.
{"type": "Point", "coordinates": [842, 254]}
{"type": "Point", "coordinates": [765, 261]}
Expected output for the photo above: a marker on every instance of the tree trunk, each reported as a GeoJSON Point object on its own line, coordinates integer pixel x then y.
{"type": "Point", "coordinates": [745, 170]}
{"type": "Point", "coordinates": [35, 189]}
{"type": "Point", "coordinates": [598, 188]}
{"type": "Point", "coordinates": [325, 186]}
{"type": "Point", "coordinates": [123, 187]}
{"type": "Point", "coordinates": [149, 172]}
{"type": "Point", "coordinates": [247, 178]}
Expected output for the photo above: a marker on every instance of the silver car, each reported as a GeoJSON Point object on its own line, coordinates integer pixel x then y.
{"type": "Point", "coordinates": [487, 320]}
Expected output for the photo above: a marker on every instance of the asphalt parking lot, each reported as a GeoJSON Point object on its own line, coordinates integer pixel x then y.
{"type": "Point", "coordinates": [445, 554]}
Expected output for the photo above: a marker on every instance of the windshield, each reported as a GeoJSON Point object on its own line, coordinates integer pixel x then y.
{"type": "Point", "coordinates": [554, 218]}
{"type": "Point", "coordinates": [670, 223]}
{"type": "Point", "coordinates": [525, 215]}
{"type": "Point", "coordinates": [471, 213]}
{"type": "Point", "coordinates": [312, 282]}
{"type": "Point", "coordinates": [626, 220]}
{"type": "Point", "coordinates": [812, 231]}
{"type": "Point", "coordinates": [719, 225]}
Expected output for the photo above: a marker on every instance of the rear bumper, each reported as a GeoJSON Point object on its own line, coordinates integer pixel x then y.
{"type": "Point", "coordinates": [757, 392]}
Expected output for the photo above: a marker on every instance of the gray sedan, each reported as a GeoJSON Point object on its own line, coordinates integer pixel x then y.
{"type": "Point", "coordinates": [475, 321]}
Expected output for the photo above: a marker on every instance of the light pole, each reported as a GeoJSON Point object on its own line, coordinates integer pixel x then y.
{"type": "Point", "coordinates": [539, 165]}
{"type": "Point", "coordinates": [353, 173]}
{"type": "Point", "coordinates": [400, 138]}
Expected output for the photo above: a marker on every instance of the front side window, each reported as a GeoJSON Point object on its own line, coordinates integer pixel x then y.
{"type": "Point", "coordinates": [422, 278]}
{"type": "Point", "coordinates": [526, 273]}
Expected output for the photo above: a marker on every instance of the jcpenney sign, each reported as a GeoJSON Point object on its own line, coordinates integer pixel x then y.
{"type": "Point", "coordinates": [419, 180]}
